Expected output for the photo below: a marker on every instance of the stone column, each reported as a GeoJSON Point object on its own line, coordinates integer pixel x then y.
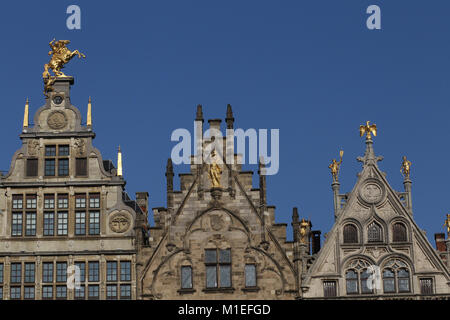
{"type": "Point", "coordinates": [336, 186]}
{"type": "Point", "coordinates": [407, 183]}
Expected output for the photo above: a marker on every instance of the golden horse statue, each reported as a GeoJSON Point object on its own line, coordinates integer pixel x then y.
{"type": "Point", "coordinates": [61, 55]}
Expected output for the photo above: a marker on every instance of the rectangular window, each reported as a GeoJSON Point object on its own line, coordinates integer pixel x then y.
{"type": "Point", "coordinates": [16, 225]}
{"type": "Point", "coordinates": [125, 291]}
{"type": "Point", "coordinates": [63, 167]}
{"type": "Point", "coordinates": [62, 223]}
{"type": "Point", "coordinates": [49, 167]}
{"type": "Point", "coordinates": [80, 223]}
{"type": "Point", "coordinates": [17, 202]}
{"type": "Point", "coordinates": [1, 293]}
{"type": "Point", "coordinates": [32, 167]}
{"type": "Point", "coordinates": [47, 272]}
{"type": "Point", "coordinates": [49, 224]}
{"type": "Point", "coordinates": [15, 293]}
{"type": "Point", "coordinates": [111, 271]}
{"type": "Point", "coordinates": [28, 293]}
{"type": "Point", "coordinates": [50, 151]}
{"type": "Point", "coordinates": [31, 202]}
{"type": "Point", "coordinates": [63, 201]}
{"type": "Point", "coordinates": [63, 150]}
{"type": "Point", "coordinates": [94, 200]}
{"type": "Point", "coordinates": [80, 201]}
{"type": "Point", "coordinates": [250, 275]}
{"type": "Point", "coordinates": [125, 271]}
{"type": "Point", "coordinates": [426, 286]}
{"type": "Point", "coordinates": [94, 222]}
{"type": "Point", "coordinates": [186, 277]}
{"type": "Point", "coordinates": [81, 167]}
{"type": "Point", "coordinates": [111, 292]}
{"type": "Point", "coordinates": [93, 292]}
{"type": "Point", "coordinates": [16, 272]}
{"type": "Point", "coordinates": [80, 293]}
{"type": "Point", "coordinates": [1, 272]}
{"type": "Point", "coordinates": [329, 289]}
{"type": "Point", "coordinates": [30, 225]}
{"type": "Point", "coordinates": [61, 271]}
{"type": "Point", "coordinates": [93, 271]}
{"type": "Point", "coordinates": [49, 201]}
{"type": "Point", "coordinates": [218, 271]}
{"type": "Point", "coordinates": [82, 267]}
{"type": "Point", "coordinates": [29, 272]}
{"type": "Point", "coordinates": [211, 276]}
{"type": "Point", "coordinates": [47, 292]}
{"type": "Point", "coordinates": [61, 292]}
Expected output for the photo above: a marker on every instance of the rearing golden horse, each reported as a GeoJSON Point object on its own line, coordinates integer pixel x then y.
{"type": "Point", "coordinates": [61, 55]}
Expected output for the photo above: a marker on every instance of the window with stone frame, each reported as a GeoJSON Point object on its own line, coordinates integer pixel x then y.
{"type": "Point", "coordinates": [396, 277]}
{"type": "Point", "coordinates": [186, 277]}
{"type": "Point", "coordinates": [81, 167]}
{"type": "Point", "coordinates": [329, 288]}
{"type": "Point", "coordinates": [250, 275]}
{"type": "Point", "coordinates": [56, 162]}
{"type": "Point", "coordinates": [350, 233]}
{"type": "Point", "coordinates": [426, 286]}
{"type": "Point", "coordinates": [23, 215]}
{"type": "Point", "coordinates": [399, 232]}
{"type": "Point", "coordinates": [357, 276]}
{"type": "Point", "coordinates": [374, 232]}
{"type": "Point", "coordinates": [32, 167]}
{"type": "Point", "coordinates": [1, 280]}
{"type": "Point", "coordinates": [218, 268]}
{"type": "Point", "coordinates": [49, 215]}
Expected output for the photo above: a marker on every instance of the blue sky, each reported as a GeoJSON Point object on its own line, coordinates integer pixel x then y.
{"type": "Point", "coordinates": [309, 68]}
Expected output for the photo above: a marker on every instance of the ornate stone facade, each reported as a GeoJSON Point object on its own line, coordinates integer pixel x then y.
{"type": "Point", "coordinates": [60, 205]}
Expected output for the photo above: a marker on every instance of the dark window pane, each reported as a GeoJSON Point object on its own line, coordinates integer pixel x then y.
{"type": "Point", "coordinates": [80, 223]}
{"type": "Point", "coordinates": [80, 292]}
{"type": "Point", "coordinates": [125, 271]}
{"type": "Point", "coordinates": [81, 167]}
{"type": "Point", "coordinates": [125, 291]}
{"type": "Point", "coordinates": [93, 271]}
{"type": "Point", "coordinates": [111, 271]}
{"type": "Point", "coordinates": [49, 167]}
{"type": "Point", "coordinates": [61, 272]}
{"type": "Point", "coordinates": [29, 272]}
{"type": "Point", "coordinates": [15, 293]}
{"type": "Point", "coordinates": [426, 286]}
{"type": "Point", "coordinates": [16, 272]}
{"type": "Point", "coordinates": [186, 277]}
{"type": "Point", "coordinates": [47, 272]}
{"type": "Point", "coordinates": [49, 224]}
{"type": "Point", "coordinates": [211, 256]}
{"type": "Point", "coordinates": [28, 292]}
{"type": "Point", "coordinates": [225, 256]}
{"type": "Point", "coordinates": [47, 292]}
{"type": "Point", "coordinates": [32, 167]}
{"type": "Point", "coordinates": [329, 289]}
{"type": "Point", "coordinates": [211, 277]}
{"type": "Point", "coordinates": [50, 151]}
{"type": "Point", "coordinates": [1, 272]}
{"type": "Point", "coordinates": [374, 232]}
{"type": "Point", "coordinates": [63, 150]}
{"type": "Point", "coordinates": [82, 267]}
{"type": "Point", "coordinates": [350, 234]}
{"type": "Point", "coordinates": [111, 292]}
{"type": "Point", "coordinates": [93, 292]}
{"type": "Point", "coordinates": [364, 282]}
{"type": "Point", "coordinates": [352, 282]}
{"type": "Point", "coordinates": [63, 167]}
{"type": "Point", "coordinates": [1, 293]}
{"type": "Point", "coordinates": [399, 231]}
{"type": "Point", "coordinates": [250, 275]}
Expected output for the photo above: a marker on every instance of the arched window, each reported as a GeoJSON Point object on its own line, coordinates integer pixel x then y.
{"type": "Point", "coordinates": [352, 282]}
{"type": "Point", "coordinates": [186, 277]}
{"type": "Point", "coordinates": [357, 277]}
{"type": "Point", "coordinates": [399, 232]}
{"type": "Point", "coordinates": [396, 277]}
{"type": "Point", "coordinates": [350, 234]}
{"type": "Point", "coordinates": [374, 232]}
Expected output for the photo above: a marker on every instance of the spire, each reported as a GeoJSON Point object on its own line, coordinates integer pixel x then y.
{"type": "Point", "coordinates": [369, 156]}
{"type": "Point", "coordinates": [119, 162]}
{"type": "Point", "coordinates": [229, 119]}
{"type": "Point", "coordinates": [169, 175]}
{"type": "Point", "coordinates": [199, 115]}
{"type": "Point", "coordinates": [89, 114]}
{"type": "Point", "coordinates": [25, 115]}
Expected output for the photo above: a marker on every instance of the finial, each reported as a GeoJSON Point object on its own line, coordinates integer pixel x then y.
{"type": "Point", "coordinates": [369, 129]}
{"type": "Point", "coordinates": [169, 167]}
{"type": "Point", "coordinates": [335, 166]}
{"type": "Point", "coordinates": [229, 119]}
{"type": "Point", "coordinates": [89, 113]}
{"type": "Point", "coordinates": [119, 163]}
{"type": "Point", "coordinates": [199, 116]}
{"type": "Point", "coordinates": [405, 167]}
{"type": "Point", "coordinates": [25, 115]}
{"type": "Point", "coordinates": [447, 224]}
{"type": "Point", "coordinates": [295, 214]}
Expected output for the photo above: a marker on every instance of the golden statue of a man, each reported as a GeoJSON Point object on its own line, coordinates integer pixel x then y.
{"type": "Point", "coordinates": [335, 166]}
{"type": "Point", "coordinates": [406, 167]}
{"type": "Point", "coordinates": [60, 56]}
{"type": "Point", "coordinates": [215, 171]}
{"type": "Point", "coordinates": [304, 231]}
{"type": "Point", "coordinates": [447, 224]}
